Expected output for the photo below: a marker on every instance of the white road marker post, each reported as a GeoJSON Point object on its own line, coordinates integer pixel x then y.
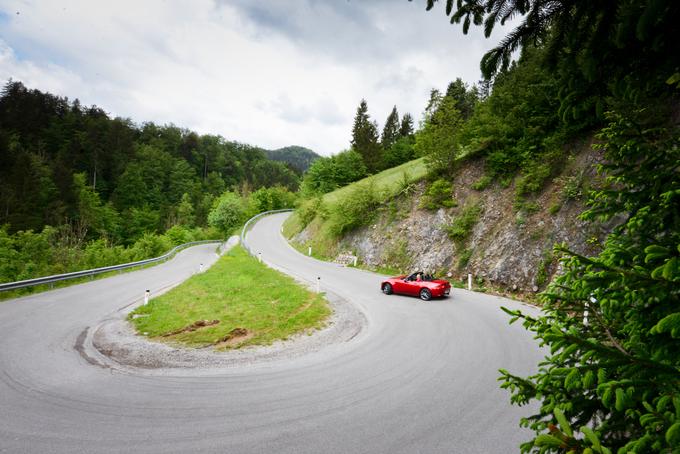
{"type": "Point", "coordinates": [318, 284]}
{"type": "Point", "coordinates": [259, 256]}
{"type": "Point", "coordinates": [200, 268]}
{"type": "Point", "coordinates": [146, 296]}
{"type": "Point", "coordinates": [309, 251]}
{"type": "Point", "coordinates": [469, 281]}
{"type": "Point", "coordinates": [355, 261]}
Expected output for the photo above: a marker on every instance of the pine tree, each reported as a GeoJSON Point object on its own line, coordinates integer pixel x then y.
{"type": "Point", "coordinates": [365, 138]}
{"type": "Point", "coordinates": [406, 127]}
{"type": "Point", "coordinates": [465, 98]}
{"type": "Point", "coordinates": [432, 106]}
{"type": "Point", "coordinates": [390, 132]}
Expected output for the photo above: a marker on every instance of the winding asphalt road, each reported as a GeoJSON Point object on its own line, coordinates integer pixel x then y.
{"type": "Point", "coordinates": [420, 378]}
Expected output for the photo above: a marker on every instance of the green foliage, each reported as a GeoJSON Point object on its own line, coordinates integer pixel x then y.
{"type": "Point", "coordinates": [274, 198]}
{"type": "Point", "coordinates": [616, 376]}
{"type": "Point", "coordinates": [406, 127]}
{"type": "Point", "coordinates": [543, 269]}
{"type": "Point", "coordinates": [464, 257]}
{"type": "Point", "coordinates": [308, 211]}
{"type": "Point", "coordinates": [139, 221]}
{"type": "Point", "coordinates": [439, 194]}
{"type": "Point", "coordinates": [228, 212]}
{"type": "Point", "coordinates": [327, 174]}
{"type": "Point", "coordinates": [390, 132]}
{"type": "Point", "coordinates": [465, 98]}
{"type": "Point", "coordinates": [298, 158]}
{"type": "Point", "coordinates": [396, 255]}
{"type": "Point", "coordinates": [61, 163]}
{"type": "Point", "coordinates": [104, 220]}
{"type": "Point", "coordinates": [532, 180]}
{"type": "Point", "coordinates": [400, 152]}
{"type": "Point", "coordinates": [555, 207]}
{"type": "Point", "coordinates": [482, 183]}
{"type": "Point", "coordinates": [438, 139]}
{"type": "Point", "coordinates": [463, 223]}
{"type": "Point", "coordinates": [27, 255]}
{"type": "Point", "coordinates": [574, 186]}
{"type": "Point", "coordinates": [365, 138]}
{"type": "Point", "coordinates": [185, 212]}
{"type": "Point", "coordinates": [356, 208]}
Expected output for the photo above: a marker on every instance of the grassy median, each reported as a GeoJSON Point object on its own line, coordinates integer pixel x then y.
{"type": "Point", "coordinates": [237, 302]}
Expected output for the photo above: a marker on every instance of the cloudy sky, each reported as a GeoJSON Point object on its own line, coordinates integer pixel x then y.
{"type": "Point", "coordinates": [269, 73]}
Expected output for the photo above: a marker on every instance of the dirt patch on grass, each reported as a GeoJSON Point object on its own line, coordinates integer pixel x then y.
{"type": "Point", "coordinates": [235, 337]}
{"type": "Point", "coordinates": [193, 327]}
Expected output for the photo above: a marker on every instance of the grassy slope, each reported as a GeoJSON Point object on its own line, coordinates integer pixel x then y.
{"type": "Point", "coordinates": [240, 293]}
{"type": "Point", "coordinates": [388, 180]}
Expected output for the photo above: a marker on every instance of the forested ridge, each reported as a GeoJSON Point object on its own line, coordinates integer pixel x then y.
{"type": "Point", "coordinates": [299, 158]}
{"type": "Point", "coordinates": [80, 189]}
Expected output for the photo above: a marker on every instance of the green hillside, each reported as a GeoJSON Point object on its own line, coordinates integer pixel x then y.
{"type": "Point", "coordinates": [299, 158]}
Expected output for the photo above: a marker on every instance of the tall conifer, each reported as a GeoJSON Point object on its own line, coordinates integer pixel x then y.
{"type": "Point", "coordinates": [365, 138]}
{"type": "Point", "coordinates": [390, 132]}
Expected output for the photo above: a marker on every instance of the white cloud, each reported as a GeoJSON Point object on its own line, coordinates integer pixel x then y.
{"type": "Point", "coordinates": [283, 73]}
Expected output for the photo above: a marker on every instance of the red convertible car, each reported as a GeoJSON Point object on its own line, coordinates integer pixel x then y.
{"type": "Point", "coordinates": [416, 284]}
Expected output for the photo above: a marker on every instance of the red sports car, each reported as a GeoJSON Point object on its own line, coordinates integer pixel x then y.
{"type": "Point", "coordinates": [416, 284]}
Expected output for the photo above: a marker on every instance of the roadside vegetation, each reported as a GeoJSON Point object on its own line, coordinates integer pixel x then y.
{"type": "Point", "coordinates": [612, 321]}
{"type": "Point", "coordinates": [55, 250]}
{"type": "Point", "coordinates": [236, 302]}
{"type": "Point", "coordinates": [330, 215]}
{"type": "Point", "coordinates": [81, 190]}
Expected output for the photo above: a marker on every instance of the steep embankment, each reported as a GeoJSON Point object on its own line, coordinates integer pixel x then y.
{"type": "Point", "coordinates": [505, 241]}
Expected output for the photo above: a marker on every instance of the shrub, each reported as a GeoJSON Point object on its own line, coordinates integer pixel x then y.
{"type": "Point", "coordinates": [464, 258]}
{"type": "Point", "coordinates": [555, 207]}
{"type": "Point", "coordinates": [462, 225]}
{"type": "Point", "coordinates": [573, 186]}
{"type": "Point", "coordinates": [308, 211]}
{"type": "Point", "coordinates": [227, 213]}
{"type": "Point", "coordinates": [178, 234]}
{"type": "Point", "coordinates": [532, 180]}
{"type": "Point", "coordinates": [438, 194]}
{"type": "Point", "coordinates": [274, 198]}
{"type": "Point", "coordinates": [355, 209]}
{"type": "Point", "coordinates": [482, 183]}
{"type": "Point", "coordinates": [150, 245]}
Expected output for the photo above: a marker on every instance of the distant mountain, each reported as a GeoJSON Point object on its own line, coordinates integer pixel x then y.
{"type": "Point", "coordinates": [299, 158]}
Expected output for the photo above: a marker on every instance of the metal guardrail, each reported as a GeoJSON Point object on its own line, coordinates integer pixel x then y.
{"type": "Point", "coordinates": [251, 220]}
{"type": "Point", "coordinates": [93, 272]}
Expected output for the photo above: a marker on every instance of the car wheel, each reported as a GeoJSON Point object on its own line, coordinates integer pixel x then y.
{"type": "Point", "coordinates": [387, 289]}
{"type": "Point", "coordinates": [425, 295]}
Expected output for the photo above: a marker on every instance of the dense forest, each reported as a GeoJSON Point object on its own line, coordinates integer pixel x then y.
{"type": "Point", "coordinates": [299, 158]}
{"type": "Point", "coordinates": [75, 181]}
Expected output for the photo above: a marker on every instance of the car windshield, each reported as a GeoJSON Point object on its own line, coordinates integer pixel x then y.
{"type": "Point", "coordinates": [420, 276]}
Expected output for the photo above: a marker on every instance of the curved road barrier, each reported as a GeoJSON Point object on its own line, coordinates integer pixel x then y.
{"type": "Point", "coordinates": [106, 269]}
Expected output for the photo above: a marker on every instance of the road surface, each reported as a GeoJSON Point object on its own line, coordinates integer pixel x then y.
{"type": "Point", "coordinates": [419, 378]}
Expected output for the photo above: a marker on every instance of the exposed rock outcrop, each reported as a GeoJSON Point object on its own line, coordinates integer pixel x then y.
{"type": "Point", "coordinates": [510, 245]}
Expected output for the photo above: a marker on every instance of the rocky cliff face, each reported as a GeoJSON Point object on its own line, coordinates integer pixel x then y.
{"type": "Point", "coordinates": [509, 247]}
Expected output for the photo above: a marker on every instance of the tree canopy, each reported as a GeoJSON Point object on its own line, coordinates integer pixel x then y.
{"type": "Point", "coordinates": [611, 322]}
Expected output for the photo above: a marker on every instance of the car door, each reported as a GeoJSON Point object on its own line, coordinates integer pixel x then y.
{"type": "Point", "coordinates": [411, 287]}
{"type": "Point", "coordinates": [400, 286]}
